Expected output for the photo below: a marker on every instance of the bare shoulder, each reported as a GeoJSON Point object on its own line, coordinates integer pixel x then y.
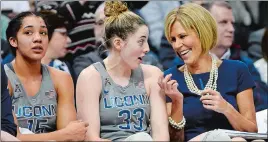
{"type": "Point", "coordinates": [61, 79]}
{"type": "Point", "coordinates": [150, 71]}
{"type": "Point", "coordinates": [151, 75]}
{"type": "Point", "coordinates": [58, 75]}
{"type": "Point", "coordinates": [90, 72]}
{"type": "Point", "coordinates": [89, 83]}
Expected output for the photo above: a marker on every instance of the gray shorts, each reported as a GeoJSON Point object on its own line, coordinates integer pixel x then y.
{"type": "Point", "coordinates": [141, 136]}
{"type": "Point", "coordinates": [216, 135]}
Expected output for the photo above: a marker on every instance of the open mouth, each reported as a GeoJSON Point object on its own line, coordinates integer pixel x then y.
{"type": "Point", "coordinates": [184, 53]}
{"type": "Point", "coordinates": [37, 49]}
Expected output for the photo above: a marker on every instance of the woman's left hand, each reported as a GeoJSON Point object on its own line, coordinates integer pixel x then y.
{"type": "Point", "coordinates": [214, 101]}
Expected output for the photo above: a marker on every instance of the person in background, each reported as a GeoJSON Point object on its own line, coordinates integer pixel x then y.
{"type": "Point", "coordinates": [261, 64]}
{"type": "Point", "coordinates": [205, 93]}
{"type": "Point", "coordinates": [124, 101]}
{"type": "Point", "coordinates": [159, 10]}
{"type": "Point", "coordinates": [4, 23]}
{"type": "Point", "coordinates": [42, 96]}
{"type": "Point", "coordinates": [58, 41]}
{"type": "Point", "coordinates": [254, 44]}
{"type": "Point", "coordinates": [85, 60]}
{"type": "Point", "coordinates": [5, 49]}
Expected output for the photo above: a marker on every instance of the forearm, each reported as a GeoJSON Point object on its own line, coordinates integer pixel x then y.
{"type": "Point", "coordinates": [95, 138]}
{"type": "Point", "coordinates": [92, 136]}
{"type": "Point", "coordinates": [56, 135]}
{"type": "Point", "coordinates": [93, 132]}
{"type": "Point", "coordinates": [238, 121]}
{"type": "Point", "coordinates": [159, 120]}
{"type": "Point", "coordinates": [160, 135]}
{"type": "Point", "coordinates": [177, 111]}
{"type": "Point", "coordinates": [177, 116]}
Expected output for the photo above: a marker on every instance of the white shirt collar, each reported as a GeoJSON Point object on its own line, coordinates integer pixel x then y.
{"type": "Point", "coordinates": [226, 55]}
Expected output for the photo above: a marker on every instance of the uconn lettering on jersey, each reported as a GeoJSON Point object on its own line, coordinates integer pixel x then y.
{"type": "Point", "coordinates": [125, 101]}
{"type": "Point", "coordinates": [35, 111]}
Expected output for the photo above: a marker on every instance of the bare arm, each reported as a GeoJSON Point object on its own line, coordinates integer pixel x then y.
{"type": "Point", "coordinates": [246, 119]}
{"type": "Point", "coordinates": [175, 112]}
{"type": "Point", "coordinates": [88, 90]}
{"type": "Point", "coordinates": [74, 131]}
{"type": "Point", "coordinates": [159, 120]}
{"type": "Point", "coordinates": [174, 109]}
{"type": "Point", "coordinates": [65, 89]}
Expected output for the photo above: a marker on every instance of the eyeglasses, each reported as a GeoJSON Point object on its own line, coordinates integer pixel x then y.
{"type": "Point", "coordinates": [99, 23]}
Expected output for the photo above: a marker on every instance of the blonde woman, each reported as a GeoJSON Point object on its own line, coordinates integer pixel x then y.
{"type": "Point", "coordinates": [120, 97]}
{"type": "Point", "coordinates": [205, 93]}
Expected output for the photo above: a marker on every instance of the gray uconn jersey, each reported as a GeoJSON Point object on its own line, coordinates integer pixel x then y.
{"type": "Point", "coordinates": [124, 111]}
{"type": "Point", "coordinates": [38, 112]}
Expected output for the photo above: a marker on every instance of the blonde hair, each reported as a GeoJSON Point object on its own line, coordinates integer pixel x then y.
{"type": "Point", "coordinates": [194, 17]}
{"type": "Point", "coordinates": [119, 21]}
